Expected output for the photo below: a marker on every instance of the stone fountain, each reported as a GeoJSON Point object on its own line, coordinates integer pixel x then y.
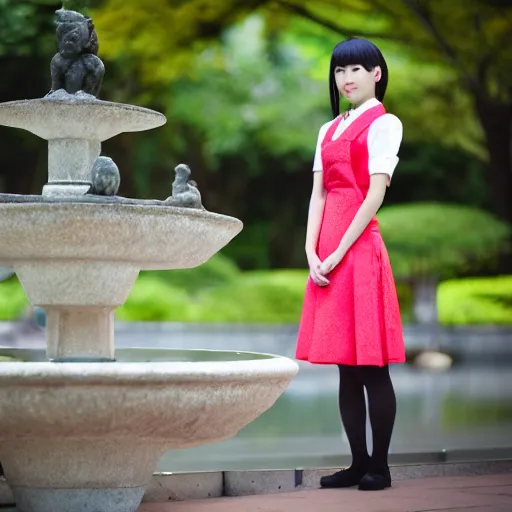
{"type": "Point", "coordinates": [82, 426]}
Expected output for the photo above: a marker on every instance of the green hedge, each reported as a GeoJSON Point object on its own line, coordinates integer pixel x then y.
{"type": "Point", "coordinates": [475, 301]}
{"type": "Point", "coordinates": [215, 294]}
{"type": "Point", "coordinates": [276, 297]}
{"type": "Point", "coordinates": [13, 301]}
{"type": "Point", "coordinates": [154, 300]}
{"type": "Point", "coordinates": [438, 239]}
{"type": "Point", "coordinates": [254, 297]}
{"type": "Point", "coordinates": [218, 270]}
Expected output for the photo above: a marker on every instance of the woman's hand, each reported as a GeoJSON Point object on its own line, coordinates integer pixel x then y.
{"type": "Point", "coordinates": [314, 270]}
{"type": "Point", "coordinates": [330, 262]}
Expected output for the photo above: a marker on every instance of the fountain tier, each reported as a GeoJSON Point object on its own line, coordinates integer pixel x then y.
{"type": "Point", "coordinates": [80, 261]}
{"type": "Point", "coordinates": [74, 127]}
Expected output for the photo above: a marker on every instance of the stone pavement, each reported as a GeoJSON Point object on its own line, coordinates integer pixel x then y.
{"type": "Point", "coordinates": [490, 493]}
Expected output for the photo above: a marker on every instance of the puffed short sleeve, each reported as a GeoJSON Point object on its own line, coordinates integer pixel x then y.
{"type": "Point", "coordinates": [317, 164]}
{"type": "Point", "coordinates": [384, 139]}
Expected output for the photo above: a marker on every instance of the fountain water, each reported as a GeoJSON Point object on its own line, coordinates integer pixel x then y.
{"type": "Point", "coordinates": [83, 428]}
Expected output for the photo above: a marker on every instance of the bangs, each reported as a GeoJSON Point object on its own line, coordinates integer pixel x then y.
{"type": "Point", "coordinates": [356, 51]}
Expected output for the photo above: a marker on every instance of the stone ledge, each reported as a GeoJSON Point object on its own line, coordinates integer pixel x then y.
{"type": "Point", "coordinates": [184, 486]}
{"type": "Point", "coordinates": [165, 487]}
{"type": "Point", "coordinates": [246, 483]}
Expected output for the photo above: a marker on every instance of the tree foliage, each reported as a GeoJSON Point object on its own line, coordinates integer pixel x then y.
{"type": "Point", "coordinates": [440, 240]}
{"type": "Point", "coordinates": [459, 48]}
{"type": "Point", "coordinates": [244, 88]}
{"type": "Point", "coordinates": [164, 36]}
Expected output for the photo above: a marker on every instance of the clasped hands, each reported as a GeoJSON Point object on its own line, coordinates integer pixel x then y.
{"type": "Point", "coordinates": [319, 269]}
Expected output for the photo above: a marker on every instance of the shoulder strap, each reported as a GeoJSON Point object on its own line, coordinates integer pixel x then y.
{"type": "Point", "coordinates": [363, 122]}
{"type": "Point", "coordinates": [330, 131]}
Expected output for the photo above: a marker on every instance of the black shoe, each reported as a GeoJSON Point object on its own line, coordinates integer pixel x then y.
{"type": "Point", "coordinates": [375, 481]}
{"type": "Point", "coordinates": [344, 478]}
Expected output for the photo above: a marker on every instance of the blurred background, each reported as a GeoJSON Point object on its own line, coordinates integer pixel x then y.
{"type": "Point", "coordinates": [244, 87]}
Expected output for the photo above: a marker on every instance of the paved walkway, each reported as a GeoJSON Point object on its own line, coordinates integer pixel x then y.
{"type": "Point", "coordinates": [474, 494]}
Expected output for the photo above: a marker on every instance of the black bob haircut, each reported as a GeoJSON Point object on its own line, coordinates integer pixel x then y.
{"type": "Point", "coordinates": [356, 51]}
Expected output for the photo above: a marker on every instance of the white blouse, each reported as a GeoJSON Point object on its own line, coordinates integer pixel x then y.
{"type": "Point", "coordinates": [384, 139]}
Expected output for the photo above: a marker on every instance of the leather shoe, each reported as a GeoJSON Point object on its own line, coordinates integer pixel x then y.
{"type": "Point", "coordinates": [344, 478]}
{"type": "Point", "coordinates": [375, 481]}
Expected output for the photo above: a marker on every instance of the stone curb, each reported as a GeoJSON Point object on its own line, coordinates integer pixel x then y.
{"type": "Point", "coordinates": [246, 483]}
{"type": "Point", "coordinates": [184, 486]}
{"type": "Point", "coordinates": [166, 487]}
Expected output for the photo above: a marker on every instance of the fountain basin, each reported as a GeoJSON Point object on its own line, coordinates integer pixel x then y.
{"type": "Point", "coordinates": [149, 237]}
{"type": "Point", "coordinates": [77, 117]}
{"type": "Point", "coordinates": [71, 254]}
{"type": "Point", "coordinates": [57, 420]}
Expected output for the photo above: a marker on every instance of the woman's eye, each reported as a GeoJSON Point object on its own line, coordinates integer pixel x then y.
{"type": "Point", "coordinates": [339, 70]}
{"type": "Point", "coordinates": [356, 68]}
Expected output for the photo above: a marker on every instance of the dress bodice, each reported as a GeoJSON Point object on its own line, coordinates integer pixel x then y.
{"type": "Point", "coordinates": [345, 159]}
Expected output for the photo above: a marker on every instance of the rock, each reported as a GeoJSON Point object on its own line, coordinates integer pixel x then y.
{"type": "Point", "coordinates": [433, 360]}
{"type": "Point", "coordinates": [105, 177]}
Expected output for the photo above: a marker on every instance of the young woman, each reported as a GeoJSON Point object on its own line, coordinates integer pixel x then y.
{"type": "Point", "coordinates": [350, 315]}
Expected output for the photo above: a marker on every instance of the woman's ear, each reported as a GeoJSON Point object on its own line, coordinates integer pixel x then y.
{"type": "Point", "coordinates": [377, 73]}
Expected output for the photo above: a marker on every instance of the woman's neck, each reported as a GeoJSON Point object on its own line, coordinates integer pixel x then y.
{"type": "Point", "coordinates": [362, 102]}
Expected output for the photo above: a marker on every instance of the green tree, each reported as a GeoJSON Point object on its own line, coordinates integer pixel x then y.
{"type": "Point", "coordinates": [241, 126]}
{"type": "Point", "coordinates": [26, 46]}
{"type": "Point", "coordinates": [465, 41]}
{"type": "Point", "coordinates": [428, 242]}
{"type": "Point", "coordinates": [244, 102]}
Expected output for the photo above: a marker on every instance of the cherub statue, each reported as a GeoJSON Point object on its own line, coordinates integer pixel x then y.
{"type": "Point", "coordinates": [76, 67]}
{"type": "Point", "coordinates": [184, 191]}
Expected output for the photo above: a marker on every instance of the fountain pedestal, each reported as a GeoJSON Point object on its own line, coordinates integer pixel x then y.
{"type": "Point", "coordinates": [80, 333]}
{"type": "Point", "coordinates": [75, 127]}
{"type": "Point", "coordinates": [70, 163]}
{"type": "Point", "coordinates": [116, 485]}
{"type": "Point", "coordinates": [79, 297]}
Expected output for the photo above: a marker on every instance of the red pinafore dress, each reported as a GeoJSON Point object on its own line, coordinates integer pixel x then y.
{"type": "Point", "coordinates": [354, 320]}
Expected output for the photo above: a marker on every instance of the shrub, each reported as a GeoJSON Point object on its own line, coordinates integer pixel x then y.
{"type": "Point", "coordinates": [153, 300]}
{"type": "Point", "coordinates": [256, 297]}
{"type": "Point", "coordinates": [276, 297]}
{"type": "Point", "coordinates": [13, 301]}
{"type": "Point", "coordinates": [475, 301]}
{"type": "Point", "coordinates": [440, 240]}
{"type": "Point", "coordinates": [216, 271]}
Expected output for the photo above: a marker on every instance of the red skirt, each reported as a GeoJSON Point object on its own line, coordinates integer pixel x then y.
{"type": "Point", "coordinates": [354, 320]}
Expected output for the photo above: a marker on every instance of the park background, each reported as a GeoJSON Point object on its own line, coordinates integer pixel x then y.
{"type": "Point", "coordinates": [243, 85]}
{"type": "Point", "coordinates": [244, 89]}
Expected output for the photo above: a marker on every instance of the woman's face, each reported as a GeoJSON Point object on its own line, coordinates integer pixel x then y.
{"type": "Point", "coordinates": [355, 83]}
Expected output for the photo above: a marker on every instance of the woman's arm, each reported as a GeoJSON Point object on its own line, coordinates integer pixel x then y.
{"type": "Point", "coordinates": [366, 212]}
{"type": "Point", "coordinates": [316, 211]}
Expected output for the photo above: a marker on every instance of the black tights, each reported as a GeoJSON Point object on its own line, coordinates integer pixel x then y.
{"type": "Point", "coordinates": [381, 407]}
